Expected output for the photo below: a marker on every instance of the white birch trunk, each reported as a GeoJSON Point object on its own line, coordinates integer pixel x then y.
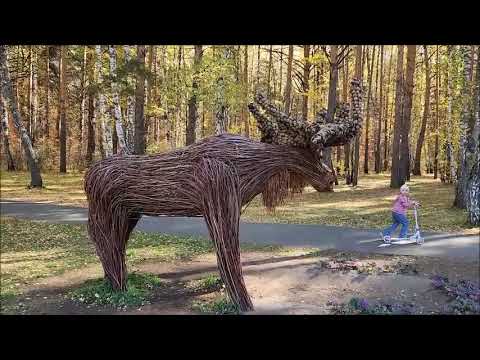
{"type": "Point", "coordinates": [7, 93]}
{"type": "Point", "coordinates": [130, 127]}
{"type": "Point", "coordinates": [117, 112]}
{"type": "Point", "coordinates": [100, 108]}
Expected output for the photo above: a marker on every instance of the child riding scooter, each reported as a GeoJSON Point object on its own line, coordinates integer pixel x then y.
{"type": "Point", "coordinates": [401, 204]}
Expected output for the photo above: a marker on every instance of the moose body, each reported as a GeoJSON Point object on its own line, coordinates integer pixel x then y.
{"type": "Point", "coordinates": [213, 178]}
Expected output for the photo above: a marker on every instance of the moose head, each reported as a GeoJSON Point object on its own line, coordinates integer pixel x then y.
{"type": "Point", "coordinates": [313, 137]}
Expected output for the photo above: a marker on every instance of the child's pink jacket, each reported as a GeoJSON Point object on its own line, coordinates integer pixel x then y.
{"type": "Point", "coordinates": [401, 204]}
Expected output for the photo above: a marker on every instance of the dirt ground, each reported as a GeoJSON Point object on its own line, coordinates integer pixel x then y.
{"type": "Point", "coordinates": [294, 283]}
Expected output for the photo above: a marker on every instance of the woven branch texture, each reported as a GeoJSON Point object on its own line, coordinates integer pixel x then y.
{"type": "Point", "coordinates": [215, 178]}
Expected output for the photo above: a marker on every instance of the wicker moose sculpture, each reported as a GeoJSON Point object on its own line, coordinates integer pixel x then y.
{"type": "Point", "coordinates": [214, 178]}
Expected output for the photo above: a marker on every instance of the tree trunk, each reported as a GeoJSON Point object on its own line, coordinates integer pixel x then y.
{"type": "Point", "coordinates": [46, 130]}
{"type": "Point", "coordinates": [472, 155]}
{"type": "Point", "coordinates": [346, 148]}
{"type": "Point", "coordinates": [130, 109]}
{"type": "Point", "coordinates": [101, 114]}
{"type": "Point", "coordinates": [7, 93]}
{"type": "Point", "coordinates": [91, 108]}
{"type": "Point", "coordinates": [280, 72]}
{"type": "Point", "coordinates": [367, 120]}
{"type": "Point", "coordinates": [358, 75]}
{"type": "Point", "coordinates": [31, 90]}
{"type": "Point", "coordinates": [192, 103]}
{"type": "Point", "coordinates": [396, 180]}
{"type": "Point", "coordinates": [387, 124]}
{"type": "Point", "coordinates": [451, 177]}
{"type": "Point", "coordinates": [151, 50]}
{"type": "Point", "coordinates": [258, 68]}
{"type": "Point", "coordinates": [33, 102]}
{"type": "Point", "coordinates": [332, 96]}
{"type": "Point", "coordinates": [245, 113]}
{"type": "Point", "coordinates": [140, 145]}
{"type": "Point", "coordinates": [6, 138]}
{"type": "Point", "coordinates": [269, 77]}
{"type": "Point", "coordinates": [221, 115]}
{"type": "Point", "coordinates": [437, 99]}
{"type": "Point", "coordinates": [426, 114]}
{"type": "Point", "coordinates": [460, 189]}
{"type": "Point", "coordinates": [62, 113]}
{"type": "Point", "coordinates": [306, 80]}
{"type": "Point", "coordinates": [288, 85]}
{"type": "Point", "coordinates": [83, 100]}
{"type": "Point", "coordinates": [117, 113]}
{"type": "Point", "coordinates": [407, 113]}
{"type": "Point", "coordinates": [378, 147]}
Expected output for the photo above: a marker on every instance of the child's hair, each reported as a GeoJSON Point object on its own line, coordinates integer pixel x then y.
{"type": "Point", "coordinates": [404, 189]}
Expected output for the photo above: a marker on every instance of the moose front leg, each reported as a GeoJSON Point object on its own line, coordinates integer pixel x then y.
{"type": "Point", "coordinates": [221, 203]}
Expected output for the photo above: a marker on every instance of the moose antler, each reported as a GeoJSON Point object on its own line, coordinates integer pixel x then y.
{"type": "Point", "coordinates": [345, 125]}
{"type": "Point", "coordinates": [278, 127]}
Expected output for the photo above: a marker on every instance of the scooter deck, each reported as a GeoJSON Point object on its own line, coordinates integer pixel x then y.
{"type": "Point", "coordinates": [398, 242]}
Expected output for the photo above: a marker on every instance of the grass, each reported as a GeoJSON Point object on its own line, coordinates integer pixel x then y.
{"type": "Point", "coordinates": [221, 305]}
{"type": "Point", "coordinates": [61, 189]}
{"type": "Point", "coordinates": [98, 292]}
{"type": "Point", "coordinates": [34, 250]}
{"type": "Point", "coordinates": [206, 284]}
{"type": "Point", "coordinates": [365, 206]}
{"type": "Point", "coordinates": [368, 206]}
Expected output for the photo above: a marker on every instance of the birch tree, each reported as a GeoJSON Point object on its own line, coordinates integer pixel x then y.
{"type": "Point", "coordinates": [9, 99]}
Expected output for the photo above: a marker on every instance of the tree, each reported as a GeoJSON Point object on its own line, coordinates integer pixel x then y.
{"type": "Point", "coordinates": [332, 95]}
{"type": "Point", "coordinates": [6, 138]}
{"type": "Point", "coordinates": [288, 84]}
{"type": "Point", "coordinates": [472, 156]}
{"type": "Point", "coordinates": [8, 97]}
{"type": "Point", "coordinates": [347, 147]}
{"type": "Point", "coordinates": [192, 103]}
{"type": "Point", "coordinates": [151, 51]}
{"type": "Point", "coordinates": [46, 130]}
{"type": "Point", "coordinates": [270, 61]}
{"type": "Point", "coordinates": [130, 109]}
{"type": "Point", "coordinates": [367, 120]}
{"type": "Point", "coordinates": [407, 113]}
{"type": "Point", "coordinates": [378, 145]}
{"type": "Point", "coordinates": [437, 99]}
{"type": "Point", "coordinates": [387, 102]}
{"type": "Point", "coordinates": [83, 101]}
{"type": "Point", "coordinates": [395, 179]}
{"type": "Point", "coordinates": [426, 114]}
{"type": "Point", "coordinates": [460, 189]}
{"type": "Point", "coordinates": [91, 93]}
{"type": "Point", "coordinates": [106, 130]}
{"type": "Point", "coordinates": [62, 113]}
{"type": "Point", "coordinates": [358, 75]}
{"type": "Point", "coordinates": [306, 79]}
{"type": "Point", "coordinates": [140, 145]}
{"type": "Point", "coordinates": [221, 111]}
{"type": "Point", "coordinates": [245, 115]}
{"type": "Point", "coordinates": [117, 113]}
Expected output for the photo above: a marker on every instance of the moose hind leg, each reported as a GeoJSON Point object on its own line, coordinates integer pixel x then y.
{"type": "Point", "coordinates": [221, 209]}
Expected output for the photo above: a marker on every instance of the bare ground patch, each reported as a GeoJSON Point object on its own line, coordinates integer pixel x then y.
{"type": "Point", "coordinates": [280, 283]}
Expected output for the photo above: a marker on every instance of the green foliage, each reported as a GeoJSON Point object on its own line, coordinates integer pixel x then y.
{"type": "Point", "coordinates": [99, 292]}
{"type": "Point", "coordinates": [208, 284]}
{"type": "Point", "coordinates": [220, 306]}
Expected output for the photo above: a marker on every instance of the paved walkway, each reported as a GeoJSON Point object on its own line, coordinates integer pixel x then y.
{"type": "Point", "coordinates": [461, 247]}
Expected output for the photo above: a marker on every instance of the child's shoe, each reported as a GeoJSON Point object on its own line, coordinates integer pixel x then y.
{"type": "Point", "coordinates": [387, 239]}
